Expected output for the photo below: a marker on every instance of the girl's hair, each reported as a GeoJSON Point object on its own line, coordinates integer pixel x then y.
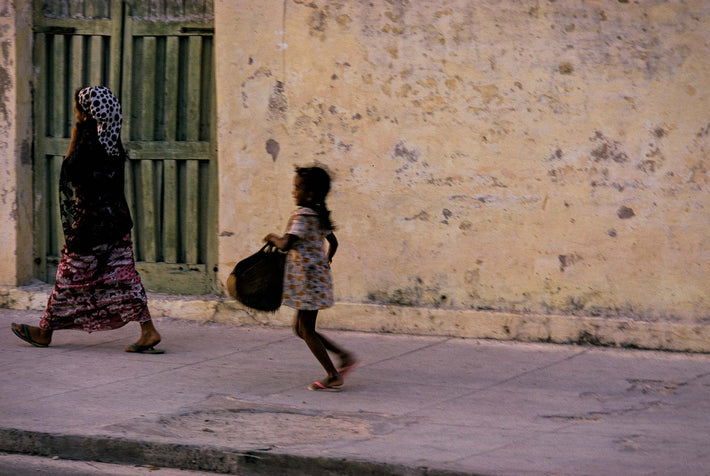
{"type": "Point", "coordinates": [316, 184]}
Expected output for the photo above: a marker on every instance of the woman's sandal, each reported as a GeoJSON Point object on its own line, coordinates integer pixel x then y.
{"type": "Point", "coordinates": [22, 331]}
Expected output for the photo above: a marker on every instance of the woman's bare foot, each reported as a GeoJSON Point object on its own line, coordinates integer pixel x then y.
{"type": "Point", "coordinates": [149, 338]}
{"type": "Point", "coordinates": [32, 335]}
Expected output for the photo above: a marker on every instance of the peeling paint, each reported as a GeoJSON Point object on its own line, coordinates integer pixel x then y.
{"type": "Point", "coordinates": [566, 68]}
{"type": "Point", "coordinates": [607, 150]}
{"type": "Point", "coordinates": [568, 260]}
{"type": "Point", "coordinates": [625, 213]}
{"type": "Point", "coordinates": [421, 216]}
{"type": "Point", "coordinates": [401, 150]}
{"type": "Point", "coordinates": [6, 86]}
{"type": "Point", "coordinates": [278, 102]}
{"type": "Point", "coordinates": [272, 148]}
{"type": "Point", "coordinates": [417, 294]}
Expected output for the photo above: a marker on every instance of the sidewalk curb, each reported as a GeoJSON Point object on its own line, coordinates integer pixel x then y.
{"type": "Point", "coordinates": [224, 460]}
{"type": "Point", "coordinates": [555, 329]}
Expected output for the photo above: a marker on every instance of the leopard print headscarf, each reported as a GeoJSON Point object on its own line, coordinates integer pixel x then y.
{"type": "Point", "coordinates": [104, 107]}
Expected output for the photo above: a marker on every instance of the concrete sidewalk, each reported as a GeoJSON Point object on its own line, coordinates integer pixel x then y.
{"type": "Point", "coordinates": [233, 399]}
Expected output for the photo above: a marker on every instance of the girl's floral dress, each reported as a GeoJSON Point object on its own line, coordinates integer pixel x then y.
{"type": "Point", "coordinates": [308, 284]}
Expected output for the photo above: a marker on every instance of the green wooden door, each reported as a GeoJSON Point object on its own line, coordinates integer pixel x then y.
{"type": "Point", "coordinates": [158, 57]}
{"type": "Point", "coordinates": [169, 130]}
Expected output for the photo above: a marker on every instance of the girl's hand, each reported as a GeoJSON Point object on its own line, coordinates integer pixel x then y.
{"type": "Point", "coordinates": [284, 243]}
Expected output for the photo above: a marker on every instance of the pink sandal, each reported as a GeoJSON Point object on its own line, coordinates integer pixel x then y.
{"type": "Point", "coordinates": [317, 386]}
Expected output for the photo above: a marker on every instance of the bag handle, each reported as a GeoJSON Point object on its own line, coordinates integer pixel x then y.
{"type": "Point", "coordinates": [269, 247]}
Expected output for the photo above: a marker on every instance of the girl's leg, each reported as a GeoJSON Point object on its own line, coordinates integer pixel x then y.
{"type": "Point", "coordinates": [346, 358]}
{"type": "Point", "coordinates": [306, 329]}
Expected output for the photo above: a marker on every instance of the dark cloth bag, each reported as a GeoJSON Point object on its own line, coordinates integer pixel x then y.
{"type": "Point", "coordinates": [257, 281]}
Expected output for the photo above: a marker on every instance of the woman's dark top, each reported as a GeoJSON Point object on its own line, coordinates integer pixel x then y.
{"type": "Point", "coordinates": [92, 201]}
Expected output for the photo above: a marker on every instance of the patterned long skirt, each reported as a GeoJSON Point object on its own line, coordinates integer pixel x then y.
{"type": "Point", "coordinates": [97, 290]}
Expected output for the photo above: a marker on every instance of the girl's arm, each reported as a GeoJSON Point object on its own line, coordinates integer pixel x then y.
{"type": "Point", "coordinates": [284, 243]}
{"type": "Point", "coordinates": [332, 246]}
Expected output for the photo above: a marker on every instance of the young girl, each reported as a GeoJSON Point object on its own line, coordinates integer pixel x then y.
{"type": "Point", "coordinates": [308, 285]}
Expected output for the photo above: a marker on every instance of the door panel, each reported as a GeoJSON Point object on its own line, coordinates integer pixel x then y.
{"type": "Point", "coordinates": [168, 80]}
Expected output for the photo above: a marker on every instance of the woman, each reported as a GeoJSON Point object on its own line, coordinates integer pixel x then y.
{"type": "Point", "coordinates": [97, 285]}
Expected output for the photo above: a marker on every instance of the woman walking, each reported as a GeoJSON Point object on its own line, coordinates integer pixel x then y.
{"type": "Point", "coordinates": [97, 285]}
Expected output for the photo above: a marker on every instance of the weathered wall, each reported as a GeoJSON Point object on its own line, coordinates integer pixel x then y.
{"type": "Point", "coordinates": [523, 157]}
{"type": "Point", "coordinates": [15, 143]}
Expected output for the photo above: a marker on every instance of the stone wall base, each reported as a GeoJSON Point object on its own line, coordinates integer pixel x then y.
{"type": "Point", "coordinates": [557, 329]}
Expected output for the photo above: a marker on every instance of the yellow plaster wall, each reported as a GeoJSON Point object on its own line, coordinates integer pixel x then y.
{"type": "Point", "coordinates": [15, 143]}
{"type": "Point", "coordinates": [545, 158]}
